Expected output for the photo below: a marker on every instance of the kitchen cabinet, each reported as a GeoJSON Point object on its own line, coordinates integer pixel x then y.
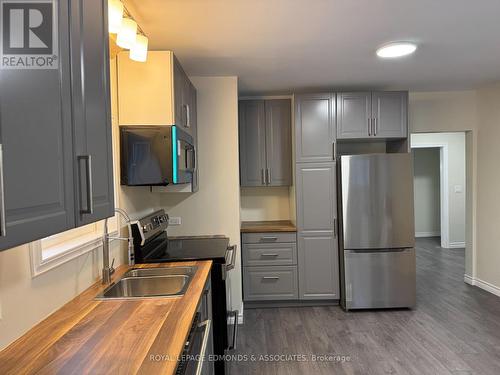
{"type": "Point", "coordinates": [91, 111]}
{"type": "Point", "coordinates": [269, 266]}
{"type": "Point", "coordinates": [363, 115]}
{"type": "Point", "coordinates": [51, 121]}
{"type": "Point", "coordinates": [317, 247]}
{"type": "Point", "coordinates": [155, 92]}
{"type": "Point", "coordinates": [205, 314]}
{"type": "Point", "coordinates": [315, 127]}
{"type": "Point", "coordinates": [265, 142]}
{"type": "Point", "coordinates": [318, 266]}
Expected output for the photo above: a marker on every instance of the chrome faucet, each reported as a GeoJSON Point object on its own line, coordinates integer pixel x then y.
{"type": "Point", "coordinates": [108, 270]}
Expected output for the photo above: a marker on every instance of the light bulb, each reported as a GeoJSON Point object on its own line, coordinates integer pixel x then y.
{"type": "Point", "coordinates": [139, 50]}
{"type": "Point", "coordinates": [127, 34]}
{"type": "Point", "coordinates": [115, 15]}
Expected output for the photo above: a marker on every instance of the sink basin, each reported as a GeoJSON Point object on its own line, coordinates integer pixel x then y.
{"type": "Point", "coordinates": [161, 271]}
{"type": "Point", "coordinates": [151, 282]}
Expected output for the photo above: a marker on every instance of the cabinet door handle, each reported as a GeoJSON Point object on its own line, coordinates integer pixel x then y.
{"type": "Point", "coordinates": [262, 178]}
{"type": "Point", "coordinates": [334, 151]}
{"type": "Point", "coordinates": [335, 228]}
{"type": "Point", "coordinates": [369, 127]}
{"type": "Point", "coordinates": [269, 255]}
{"type": "Point", "coordinates": [188, 116]}
{"type": "Point", "coordinates": [268, 176]}
{"type": "Point", "coordinates": [269, 238]}
{"type": "Point", "coordinates": [3, 226]}
{"type": "Point", "coordinates": [375, 126]}
{"type": "Point", "coordinates": [270, 278]}
{"type": "Point", "coordinates": [88, 176]}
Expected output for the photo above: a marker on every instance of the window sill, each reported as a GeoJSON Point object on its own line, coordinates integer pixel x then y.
{"type": "Point", "coordinates": [62, 253]}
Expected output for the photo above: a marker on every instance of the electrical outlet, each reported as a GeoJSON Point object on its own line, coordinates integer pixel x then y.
{"type": "Point", "coordinates": [174, 220]}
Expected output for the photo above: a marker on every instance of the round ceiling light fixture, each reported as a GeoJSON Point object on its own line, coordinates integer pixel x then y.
{"type": "Point", "coordinates": [396, 49]}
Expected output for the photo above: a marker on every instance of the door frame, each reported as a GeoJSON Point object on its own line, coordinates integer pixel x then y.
{"type": "Point", "coordinates": [443, 188]}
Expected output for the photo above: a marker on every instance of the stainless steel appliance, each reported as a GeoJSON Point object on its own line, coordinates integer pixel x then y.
{"type": "Point", "coordinates": [194, 360]}
{"type": "Point", "coordinates": [377, 231]}
{"type": "Point", "coordinates": [156, 156]}
{"type": "Point", "coordinates": [152, 245]}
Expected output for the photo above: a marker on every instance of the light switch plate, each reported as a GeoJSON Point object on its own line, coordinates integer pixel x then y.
{"type": "Point", "coordinates": [174, 220]}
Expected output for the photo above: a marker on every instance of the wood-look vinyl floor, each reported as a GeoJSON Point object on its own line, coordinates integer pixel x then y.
{"type": "Point", "coordinates": [455, 329]}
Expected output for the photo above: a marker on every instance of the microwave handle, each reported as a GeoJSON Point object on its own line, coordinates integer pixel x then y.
{"type": "Point", "coordinates": [194, 158]}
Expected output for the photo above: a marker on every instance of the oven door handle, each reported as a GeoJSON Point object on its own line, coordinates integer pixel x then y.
{"type": "Point", "coordinates": [204, 346]}
{"type": "Point", "coordinates": [235, 314]}
{"type": "Point", "coordinates": [229, 266]}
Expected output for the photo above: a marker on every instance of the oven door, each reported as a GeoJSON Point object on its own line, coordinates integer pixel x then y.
{"type": "Point", "coordinates": [184, 158]}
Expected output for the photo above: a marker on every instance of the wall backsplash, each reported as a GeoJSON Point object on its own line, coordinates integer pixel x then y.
{"type": "Point", "coordinates": [265, 203]}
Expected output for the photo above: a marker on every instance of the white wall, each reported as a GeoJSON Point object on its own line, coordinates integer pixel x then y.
{"type": "Point", "coordinates": [488, 189]}
{"type": "Point", "coordinates": [25, 301]}
{"type": "Point", "coordinates": [453, 230]}
{"type": "Point", "coordinates": [215, 208]}
{"type": "Point", "coordinates": [426, 192]}
{"type": "Point", "coordinates": [265, 203]}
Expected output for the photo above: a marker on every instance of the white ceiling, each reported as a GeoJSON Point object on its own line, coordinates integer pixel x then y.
{"type": "Point", "coordinates": [280, 46]}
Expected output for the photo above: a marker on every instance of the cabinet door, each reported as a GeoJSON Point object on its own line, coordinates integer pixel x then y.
{"type": "Point", "coordinates": [314, 127]}
{"type": "Point", "coordinates": [279, 142]}
{"type": "Point", "coordinates": [353, 115]}
{"type": "Point", "coordinates": [252, 133]}
{"type": "Point", "coordinates": [91, 111]}
{"type": "Point", "coordinates": [193, 113]}
{"type": "Point", "coordinates": [318, 266]}
{"type": "Point", "coordinates": [390, 114]}
{"type": "Point", "coordinates": [35, 131]}
{"type": "Point", "coordinates": [316, 197]}
{"type": "Point", "coordinates": [179, 113]}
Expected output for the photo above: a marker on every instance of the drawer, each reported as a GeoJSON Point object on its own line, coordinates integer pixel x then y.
{"type": "Point", "coordinates": [272, 237]}
{"type": "Point", "coordinates": [270, 283]}
{"type": "Point", "coordinates": [269, 254]}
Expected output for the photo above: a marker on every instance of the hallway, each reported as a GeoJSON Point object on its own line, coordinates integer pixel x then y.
{"type": "Point", "coordinates": [455, 329]}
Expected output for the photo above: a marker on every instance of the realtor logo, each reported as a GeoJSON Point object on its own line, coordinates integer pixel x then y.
{"type": "Point", "coordinates": [28, 34]}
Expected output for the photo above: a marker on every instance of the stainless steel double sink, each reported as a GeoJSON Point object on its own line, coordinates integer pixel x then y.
{"type": "Point", "coordinates": [150, 282]}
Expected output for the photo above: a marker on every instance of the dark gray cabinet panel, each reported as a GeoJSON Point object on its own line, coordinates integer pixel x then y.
{"type": "Point", "coordinates": [184, 100]}
{"type": "Point", "coordinates": [316, 197]}
{"type": "Point", "coordinates": [178, 93]}
{"type": "Point", "coordinates": [318, 266]}
{"type": "Point", "coordinates": [270, 283]}
{"type": "Point", "coordinates": [194, 130]}
{"type": "Point", "coordinates": [314, 127]}
{"type": "Point", "coordinates": [36, 135]}
{"type": "Point", "coordinates": [353, 115]}
{"type": "Point", "coordinates": [278, 142]}
{"type": "Point", "coordinates": [91, 111]}
{"type": "Point", "coordinates": [390, 114]}
{"type": "Point", "coordinates": [252, 134]}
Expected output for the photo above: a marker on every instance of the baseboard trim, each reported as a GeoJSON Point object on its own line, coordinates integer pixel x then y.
{"type": "Point", "coordinates": [474, 281]}
{"type": "Point", "coordinates": [427, 234]}
{"type": "Point", "coordinates": [456, 245]}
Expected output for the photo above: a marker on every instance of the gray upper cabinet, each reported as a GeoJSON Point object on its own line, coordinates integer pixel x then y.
{"type": "Point", "coordinates": [353, 115]}
{"type": "Point", "coordinates": [316, 197]}
{"type": "Point", "coordinates": [36, 137]}
{"type": "Point", "coordinates": [315, 127]}
{"type": "Point", "coordinates": [91, 111]}
{"type": "Point", "coordinates": [252, 133]}
{"type": "Point", "coordinates": [183, 99]}
{"type": "Point", "coordinates": [50, 121]}
{"type": "Point", "coordinates": [372, 115]}
{"type": "Point", "coordinates": [278, 142]}
{"type": "Point", "coordinates": [265, 142]}
{"type": "Point", "coordinates": [390, 114]}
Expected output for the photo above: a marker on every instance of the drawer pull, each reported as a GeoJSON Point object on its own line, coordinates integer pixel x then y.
{"type": "Point", "coordinates": [270, 278]}
{"type": "Point", "coordinates": [269, 255]}
{"type": "Point", "coordinates": [268, 239]}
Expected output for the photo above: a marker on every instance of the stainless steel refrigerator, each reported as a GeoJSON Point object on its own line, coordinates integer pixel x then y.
{"type": "Point", "coordinates": [377, 235]}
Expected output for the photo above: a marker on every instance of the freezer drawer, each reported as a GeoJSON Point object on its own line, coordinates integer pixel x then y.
{"type": "Point", "coordinates": [379, 279]}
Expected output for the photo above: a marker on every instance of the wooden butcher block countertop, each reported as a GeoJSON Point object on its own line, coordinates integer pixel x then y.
{"type": "Point", "coordinates": [88, 336]}
{"type": "Point", "coordinates": [267, 226]}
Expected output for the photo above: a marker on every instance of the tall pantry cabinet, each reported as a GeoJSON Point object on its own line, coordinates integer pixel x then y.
{"type": "Point", "coordinates": [316, 201]}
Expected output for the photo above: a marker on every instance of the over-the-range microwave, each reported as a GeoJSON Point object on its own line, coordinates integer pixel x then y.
{"type": "Point", "coordinates": [156, 155]}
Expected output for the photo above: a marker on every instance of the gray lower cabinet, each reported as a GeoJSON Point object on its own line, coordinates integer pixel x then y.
{"type": "Point", "coordinates": [265, 142]}
{"type": "Point", "coordinates": [271, 283]}
{"type": "Point", "coordinates": [91, 111]}
{"type": "Point", "coordinates": [317, 245]}
{"type": "Point", "coordinates": [49, 118]}
{"type": "Point", "coordinates": [381, 114]}
{"type": "Point", "coordinates": [269, 266]}
{"type": "Point", "coordinates": [318, 265]}
{"type": "Point", "coordinates": [206, 328]}
{"type": "Point", "coordinates": [315, 127]}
